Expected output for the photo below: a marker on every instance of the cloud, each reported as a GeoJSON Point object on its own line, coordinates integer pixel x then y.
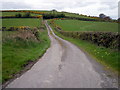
{"type": "Point", "coordinates": [111, 5]}
{"type": "Point", "coordinates": [119, 9]}
{"type": "Point", "coordinates": [14, 5]}
{"type": "Point", "coordinates": [88, 7]}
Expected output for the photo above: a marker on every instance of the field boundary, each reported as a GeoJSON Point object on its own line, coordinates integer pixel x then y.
{"type": "Point", "coordinates": [91, 51]}
{"type": "Point", "coordinates": [106, 39]}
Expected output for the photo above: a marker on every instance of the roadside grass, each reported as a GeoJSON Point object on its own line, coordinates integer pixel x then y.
{"type": "Point", "coordinates": [18, 51]}
{"type": "Point", "coordinates": [77, 25]}
{"type": "Point", "coordinates": [109, 58]}
{"type": "Point", "coordinates": [14, 22]}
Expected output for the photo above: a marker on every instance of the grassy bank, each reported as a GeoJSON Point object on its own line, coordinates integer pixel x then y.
{"type": "Point", "coordinates": [106, 56]}
{"type": "Point", "coordinates": [20, 48]}
{"type": "Point", "coordinates": [77, 25]}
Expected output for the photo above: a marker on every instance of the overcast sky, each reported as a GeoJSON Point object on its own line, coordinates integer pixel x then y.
{"type": "Point", "coordinates": [87, 7]}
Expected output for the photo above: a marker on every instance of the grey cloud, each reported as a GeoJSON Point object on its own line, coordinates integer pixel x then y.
{"type": "Point", "coordinates": [108, 6]}
{"type": "Point", "coordinates": [104, 6]}
{"type": "Point", "coordinates": [119, 9]}
{"type": "Point", "coordinates": [72, 4]}
{"type": "Point", "coordinates": [14, 5]}
{"type": "Point", "coordinates": [111, 5]}
{"type": "Point", "coordinates": [84, 4]}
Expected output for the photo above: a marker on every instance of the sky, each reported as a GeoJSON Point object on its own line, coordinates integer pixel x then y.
{"type": "Point", "coordinates": [86, 7]}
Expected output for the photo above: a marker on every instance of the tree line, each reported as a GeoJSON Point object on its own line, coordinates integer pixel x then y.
{"type": "Point", "coordinates": [26, 15]}
{"type": "Point", "coordinates": [53, 15]}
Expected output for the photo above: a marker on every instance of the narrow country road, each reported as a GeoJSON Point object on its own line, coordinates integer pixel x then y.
{"type": "Point", "coordinates": [65, 66]}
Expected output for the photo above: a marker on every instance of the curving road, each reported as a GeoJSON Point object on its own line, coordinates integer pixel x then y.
{"type": "Point", "coordinates": [65, 66]}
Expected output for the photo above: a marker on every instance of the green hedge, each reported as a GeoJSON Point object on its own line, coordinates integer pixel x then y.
{"type": "Point", "coordinates": [106, 39]}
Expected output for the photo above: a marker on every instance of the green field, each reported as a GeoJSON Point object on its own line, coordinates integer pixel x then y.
{"type": "Point", "coordinates": [75, 15]}
{"type": "Point", "coordinates": [11, 13]}
{"type": "Point", "coordinates": [13, 22]}
{"type": "Point", "coordinates": [14, 13]}
{"type": "Point", "coordinates": [77, 25]}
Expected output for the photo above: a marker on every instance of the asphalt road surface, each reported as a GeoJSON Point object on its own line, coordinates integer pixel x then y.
{"type": "Point", "coordinates": [65, 66]}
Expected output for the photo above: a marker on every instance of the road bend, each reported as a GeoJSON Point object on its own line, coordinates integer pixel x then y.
{"type": "Point", "coordinates": [64, 65]}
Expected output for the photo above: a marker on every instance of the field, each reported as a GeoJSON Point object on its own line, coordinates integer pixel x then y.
{"type": "Point", "coordinates": [77, 25]}
{"type": "Point", "coordinates": [13, 22]}
{"type": "Point", "coordinates": [14, 13]}
{"type": "Point", "coordinates": [11, 13]}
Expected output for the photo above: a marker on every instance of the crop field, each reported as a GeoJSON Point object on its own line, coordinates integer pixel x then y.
{"type": "Point", "coordinates": [77, 25]}
{"type": "Point", "coordinates": [13, 22]}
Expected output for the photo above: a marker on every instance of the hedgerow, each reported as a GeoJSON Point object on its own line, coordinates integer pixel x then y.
{"type": "Point", "coordinates": [106, 39]}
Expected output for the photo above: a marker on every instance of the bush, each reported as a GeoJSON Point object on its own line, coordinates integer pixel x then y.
{"type": "Point", "coordinates": [18, 15]}
{"type": "Point", "coordinates": [53, 15]}
{"type": "Point", "coordinates": [106, 39]}
{"type": "Point", "coordinates": [27, 15]}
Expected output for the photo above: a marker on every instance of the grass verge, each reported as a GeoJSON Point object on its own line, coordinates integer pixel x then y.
{"type": "Point", "coordinates": [18, 51]}
{"type": "Point", "coordinates": [103, 55]}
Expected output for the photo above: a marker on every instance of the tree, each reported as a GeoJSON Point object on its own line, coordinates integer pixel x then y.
{"type": "Point", "coordinates": [62, 15]}
{"type": "Point", "coordinates": [27, 15]}
{"type": "Point", "coordinates": [54, 10]}
{"type": "Point", "coordinates": [102, 15]}
{"type": "Point", "coordinates": [18, 15]}
{"type": "Point", "coordinates": [53, 15]}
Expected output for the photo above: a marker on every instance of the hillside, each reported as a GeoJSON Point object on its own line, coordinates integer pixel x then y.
{"type": "Point", "coordinates": [38, 12]}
